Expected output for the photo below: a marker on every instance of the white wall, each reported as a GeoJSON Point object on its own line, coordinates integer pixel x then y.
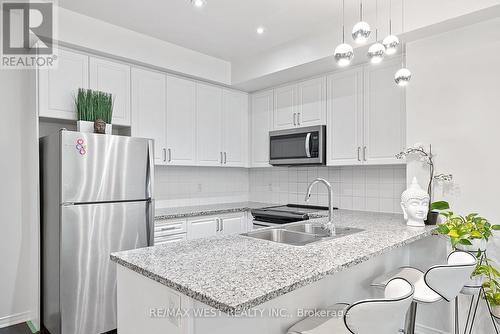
{"type": "Point", "coordinates": [19, 231]}
{"type": "Point", "coordinates": [107, 38]}
{"type": "Point", "coordinates": [453, 102]}
{"type": "Point", "coordinates": [184, 186]}
{"type": "Point", "coordinates": [371, 188]}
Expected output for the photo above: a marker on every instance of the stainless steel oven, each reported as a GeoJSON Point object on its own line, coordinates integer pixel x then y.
{"type": "Point", "coordinates": [299, 146]}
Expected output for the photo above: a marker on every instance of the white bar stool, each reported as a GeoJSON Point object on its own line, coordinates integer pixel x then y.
{"type": "Point", "coordinates": [441, 282]}
{"type": "Point", "coordinates": [364, 317]}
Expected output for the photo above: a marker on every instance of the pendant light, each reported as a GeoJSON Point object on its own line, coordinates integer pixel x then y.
{"type": "Point", "coordinates": [361, 30]}
{"type": "Point", "coordinates": [403, 75]}
{"type": "Point", "coordinates": [343, 53]}
{"type": "Point", "coordinates": [376, 51]}
{"type": "Point", "coordinates": [391, 42]}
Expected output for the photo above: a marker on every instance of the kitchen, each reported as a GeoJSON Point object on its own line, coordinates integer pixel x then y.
{"type": "Point", "coordinates": [241, 125]}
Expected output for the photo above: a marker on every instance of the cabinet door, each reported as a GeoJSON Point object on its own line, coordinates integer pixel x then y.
{"type": "Point", "coordinates": [311, 102]}
{"type": "Point", "coordinates": [149, 109]}
{"type": "Point", "coordinates": [181, 120]}
{"type": "Point", "coordinates": [384, 115]}
{"type": "Point", "coordinates": [235, 128]}
{"type": "Point", "coordinates": [170, 239]}
{"type": "Point", "coordinates": [285, 111]}
{"type": "Point", "coordinates": [345, 118]}
{"type": "Point", "coordinates": [202, 228]}
{"type": "Point", "coordinates": [114, 78]}
{"type": "Point", "coordinates": [57, 88]}
{"type": "Point", "coordinates": [233, 225]}
{"type": "Point", "coordinates": [208, 125]}
{"type": "Point", "coordinates": [260, 124]}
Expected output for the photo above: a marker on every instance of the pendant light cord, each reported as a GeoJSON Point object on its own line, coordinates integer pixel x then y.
{"type": "Point", "coordinates": [343, 21]}
{"type": "Point", "coordinates": [390, 17]}
{"type": "Point", "coordinates": [361, 11]}
{"type": "Point", "coordinates": [376, 21]}
{"type": "Point", "coordinates": [403, 55]}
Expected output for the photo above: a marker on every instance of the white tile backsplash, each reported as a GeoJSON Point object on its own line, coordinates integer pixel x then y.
{"type": "Point", "coordinates": [370, 188]}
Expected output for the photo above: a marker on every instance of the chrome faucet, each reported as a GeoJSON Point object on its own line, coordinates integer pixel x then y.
{"type": "Point", "coordinates": [329, 226]}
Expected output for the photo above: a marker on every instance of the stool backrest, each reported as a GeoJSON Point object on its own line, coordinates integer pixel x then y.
{"type": "Point", "coordinates": [447, 280]}
{"type": "Point", "coordinates": [381, 315]}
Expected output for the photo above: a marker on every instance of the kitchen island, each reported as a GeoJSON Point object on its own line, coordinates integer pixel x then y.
{"type": "Point", "coordinates": [247, 285]}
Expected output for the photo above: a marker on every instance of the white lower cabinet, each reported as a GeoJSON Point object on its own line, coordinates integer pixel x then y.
{"type": "Point", "coordinates": [170, 231]}
{"type": "Point", "coordinates": [208, 226]}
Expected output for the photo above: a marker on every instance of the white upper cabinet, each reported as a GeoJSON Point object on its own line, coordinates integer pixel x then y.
{"type": "Point", "coordinates": [366, 116]}
{"type": "Point", "coordinates": [311, 105]}
{"type": "Point", "coordinates": [345, 118]}
{"type": "Point", "coordinates": [301, 104]}
{"type": "Point", "coordinates": [57, 88]}
{"type": "Point", "coordinates": [149, 109]}
{"type": "Point", "coordinates": [235, 128]}
{"type": "Point", "coordinates": [260, 124]}
{"type": "Point", "coordinates": [285, 109]}
{"type": "Point", "coordinates": [209, 125]}
{"type": "Point", "coordinates": [384, 114]}
{"type": "Point", "coordinates": [112, 77]}
{"type": "Point", "coordinates": [181, 120]}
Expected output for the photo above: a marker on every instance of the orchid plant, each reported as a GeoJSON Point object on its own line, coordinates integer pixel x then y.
{"type": "Point", "coordinates": [427, 158]}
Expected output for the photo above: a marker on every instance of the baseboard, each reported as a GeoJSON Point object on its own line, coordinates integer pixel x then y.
{"type": "Point", "coordinates": [15, 319]}
{"type": "Point", "coordinates": [421, 329]}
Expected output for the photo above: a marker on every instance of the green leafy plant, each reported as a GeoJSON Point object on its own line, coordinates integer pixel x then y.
{"type": "Point", "coordinates": [92, 105]}
{"type": "Point", "coordinates": [463, 229]}
{"type": "Point", "coordinates": [491, 285]}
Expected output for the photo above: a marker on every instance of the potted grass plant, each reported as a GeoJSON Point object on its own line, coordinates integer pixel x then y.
{"type": "Point", "coordinates": [94, 111]}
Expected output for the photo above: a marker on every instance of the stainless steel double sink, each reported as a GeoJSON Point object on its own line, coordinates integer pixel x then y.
{"type": "Point", "coordinates": [300, 234]}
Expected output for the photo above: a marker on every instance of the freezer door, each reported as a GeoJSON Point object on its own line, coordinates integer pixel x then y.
{"type": "Point", "coordinates": [97, 168]}
{"type": "Point", "coordinates": [89, 234]}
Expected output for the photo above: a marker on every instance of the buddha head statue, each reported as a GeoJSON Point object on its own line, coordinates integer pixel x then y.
{"type": "Point", "coordinates": [415, 204]}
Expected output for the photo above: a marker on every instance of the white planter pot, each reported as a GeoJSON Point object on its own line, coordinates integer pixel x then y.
{"type": "Point", "coordinates": [495, 311]}
{"type": "Point", "coordinates": [88, 127]}
{"type": "Point", "coordinates": [85, 126]}
{"type": "Point", "coordinates": [477, 244]}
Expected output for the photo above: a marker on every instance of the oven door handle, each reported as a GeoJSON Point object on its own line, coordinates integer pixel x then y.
{"type": "Point", "coordinates": [308, 144]}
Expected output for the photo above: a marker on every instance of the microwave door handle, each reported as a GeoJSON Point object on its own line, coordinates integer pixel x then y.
{"type": "Point", "coordinates": [308, 141]}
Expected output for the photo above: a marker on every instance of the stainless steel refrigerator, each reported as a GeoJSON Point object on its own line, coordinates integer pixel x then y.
{"type": "Point", "coordinates": [96, 198]}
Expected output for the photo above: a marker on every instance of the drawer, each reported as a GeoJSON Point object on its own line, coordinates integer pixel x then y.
{"type": "Point", "coordinates": [169, 227]}
{"type": "Point", "coordinates": [169, 239]}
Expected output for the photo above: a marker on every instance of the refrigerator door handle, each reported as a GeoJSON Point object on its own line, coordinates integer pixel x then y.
{"type": "Point", "coordinates": [150, 220]}
{"type": "Point", "coordinates": [150, 170]}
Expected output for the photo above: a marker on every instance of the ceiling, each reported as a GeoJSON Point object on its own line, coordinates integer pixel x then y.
{"type": "Point", "coordinates": [224, 29]}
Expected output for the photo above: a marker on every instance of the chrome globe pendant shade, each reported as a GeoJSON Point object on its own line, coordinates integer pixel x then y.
{"type": "Point", "coordinates": [403, 75]}
{"type": "Point", "coordinates": [391, 42]}
{"type": "Point", "coordinates": [376, 51]}
{"type": "Point", "coordinates": [343, 53]}
{"type": "Point", "coordinates": [361, 30]}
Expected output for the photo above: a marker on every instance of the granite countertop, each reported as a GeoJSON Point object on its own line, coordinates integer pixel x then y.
{"type": "Point", "coordinates": [206, 210]}
{"type": "Point", "coordinates": [236, 273]}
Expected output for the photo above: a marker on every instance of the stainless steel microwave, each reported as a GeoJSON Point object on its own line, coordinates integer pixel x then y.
{"type": "Point", "coordinates": [298, 146]}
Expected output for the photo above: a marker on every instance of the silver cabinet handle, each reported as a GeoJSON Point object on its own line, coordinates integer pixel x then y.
{"type": "Point", "coordinates": [221, 160]}
{"type": "Point", "coordinates": [359, 149]}
{"type": "Point", "coordinates": [221, 225]}
{"type": "Point", "coordinates": [225, 158]}
{"type": "Point", "coordinates": [169, 155]}
{"type": "Point", "coordinates": [364, 153]}
{"type": "Point", "coordinates": [298, 118]}
{"type": "Point", "coordinates": [164, 155]}
{"type": "Point", "coordinates": [294, 118]}
{"type": "Point", "coordinates": [308, 141]}
{"type": "Point", "coordinates": [218, 225]}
